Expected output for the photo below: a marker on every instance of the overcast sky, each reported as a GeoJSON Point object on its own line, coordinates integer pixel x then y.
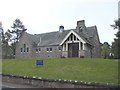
{"type": "Point", "coordinates": [41, 16]}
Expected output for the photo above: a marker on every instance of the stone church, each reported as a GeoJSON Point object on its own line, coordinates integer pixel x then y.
{"type": "Point", "coordinates": [81, 42]}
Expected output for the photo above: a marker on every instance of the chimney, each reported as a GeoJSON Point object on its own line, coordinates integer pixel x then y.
{"type": "Point", "coordinates": [61, 29]}
{"type": "Point", "coordinates": [81, 23]}
{"type": "Point", "coordinates": [81, 28]}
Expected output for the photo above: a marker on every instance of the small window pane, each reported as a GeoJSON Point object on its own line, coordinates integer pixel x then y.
{"type": "Point", "coordinates": [36, 50]}
{"type": "Point", "coordinates": [24, 47]}
{"type": "Point", "coordinates": [60, 48]}
{"type": "Point", "coordinates": [81, 46]}
{"type": "Point", "coordinates": [21, 49]}
{"type": "Point", "coordinates": [47, 49]}
{"type": "Point", "coordinates": [50, 49]}
{"type": "Point", "coordinates": [27, 49]}
{"type": "Point", "coordinates": [39, 49]}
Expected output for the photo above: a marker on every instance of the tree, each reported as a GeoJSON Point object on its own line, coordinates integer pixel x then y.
{"type": "Point", "coordinates": [105, 50]}
{"type": "Point", "coordinates": [4, 43]}
{"type": "Point", "coordinates": [18, 29]}
{"type": "Point", "coordinates": [116, 43]}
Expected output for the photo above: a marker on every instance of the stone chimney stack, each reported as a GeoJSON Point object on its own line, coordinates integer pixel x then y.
{"type": "Point", "coordinates": [81, 26]}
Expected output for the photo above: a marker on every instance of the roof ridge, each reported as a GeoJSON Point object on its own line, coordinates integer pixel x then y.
{"type": "Point", "coordinates": [53, 32]}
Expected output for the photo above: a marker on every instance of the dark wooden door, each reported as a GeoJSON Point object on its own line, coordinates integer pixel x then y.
{"type": "Point", "coordinates": [73, 49]}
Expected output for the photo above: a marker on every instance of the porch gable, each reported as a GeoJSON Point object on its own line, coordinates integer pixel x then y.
{"type": "Point", "coordinates": [74, 33]}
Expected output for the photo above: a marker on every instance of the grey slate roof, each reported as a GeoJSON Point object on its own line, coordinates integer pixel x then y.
{"type": "Point", "coordinates": [55, 38]}
{"type": "Point", "coordinates": [91, 33]}
{"type": "Point", "coordinates": [47, 39]}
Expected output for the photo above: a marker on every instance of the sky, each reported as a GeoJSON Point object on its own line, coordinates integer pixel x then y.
{"type": "Point", "coordinates": [41, 16]}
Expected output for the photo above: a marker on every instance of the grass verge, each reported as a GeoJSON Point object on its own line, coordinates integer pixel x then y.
{"type": "Point", "coordinates": [89, 70]}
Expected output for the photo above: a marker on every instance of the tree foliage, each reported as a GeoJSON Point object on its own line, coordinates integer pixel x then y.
{"type": "Point", "coordinates": [6, 52]}
{"type": "Point", "coordinates": [11, 36]}
{"type": "Point", "coordinates": [17, 29]}
{"type": "Point", "coordinates": [116, 43]}
{"type": "Point", "coordinates": [106, 49]}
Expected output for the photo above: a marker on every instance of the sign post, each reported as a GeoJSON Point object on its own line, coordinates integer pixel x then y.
{"type": "Point", "coordinates": [39, 62]}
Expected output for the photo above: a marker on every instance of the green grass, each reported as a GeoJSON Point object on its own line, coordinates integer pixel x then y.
{"type": "Point", "coordinates": [0, 66]}
{"type": "Point", "coordinates": [89, 70]}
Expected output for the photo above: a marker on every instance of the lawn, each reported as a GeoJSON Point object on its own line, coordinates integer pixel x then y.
{"type": "Point", "coordinates": [89, 70]}
{"type": "Point", "coordinates": [0, 66]}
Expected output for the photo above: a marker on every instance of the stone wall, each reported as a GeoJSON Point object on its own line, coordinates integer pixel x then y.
{"type": "Point", "coordinates": [39, 82]}
{"type": "Point", "coordinates": [55, 53]}
{"type": "Point", "coordinates": [27, 41]}
{"type": "Point", "coordinates": [65, 54]}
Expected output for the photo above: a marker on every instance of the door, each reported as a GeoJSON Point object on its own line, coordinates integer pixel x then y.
{"type": "Point", "coordinates": [73, 49]}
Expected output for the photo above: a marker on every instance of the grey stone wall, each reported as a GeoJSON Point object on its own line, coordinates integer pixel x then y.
{"type": "Point", "coordinates": [39, 82]}
{"type": "Point", "coordinates": [55, 53]}
{"type": "Point", "coordinates": [65, 54]}
{"type": "Point", "coordinates": [96, 50]}
{"type": "Point", "coordinates": [25, 40]}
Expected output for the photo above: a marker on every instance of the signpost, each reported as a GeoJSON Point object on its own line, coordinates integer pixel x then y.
{"type": "Point", "coordinates": [39, 62]}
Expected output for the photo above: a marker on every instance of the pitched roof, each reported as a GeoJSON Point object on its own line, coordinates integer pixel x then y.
{"type": "Point", "coordinates": [92, 31]}
{"type": "Point", "coordinates": [55, 38]}
{"type": "Point", "coordinates": [52, 38]}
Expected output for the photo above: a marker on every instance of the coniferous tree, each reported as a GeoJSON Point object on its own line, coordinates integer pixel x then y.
{"type": "Point", "coordinates": [17, 30]}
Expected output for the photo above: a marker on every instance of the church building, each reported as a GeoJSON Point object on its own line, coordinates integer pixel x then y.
{"type": "Point", "coordinates": [81, 42]}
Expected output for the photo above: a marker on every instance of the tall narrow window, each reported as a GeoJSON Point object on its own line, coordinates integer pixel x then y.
{"type": "Point", "coordinates": [81, 46]}
{"type": "Point", "coordinates": [47, 49]}
{"type": "Point", "coordinates": [27, 49]}
{"type": "Point", "coordinates": [50, 49]}
{"type": "Point", "coordinates": [74, 37]}
{"type": "Point", "coordinates": [21, 49]}
{"type": "Point", "coordinates": [24, 47]}
{"type": "Point", "coordinates": [71, 37]}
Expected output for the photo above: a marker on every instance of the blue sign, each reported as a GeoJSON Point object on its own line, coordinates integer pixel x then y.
{"type": "Point", "coordinates": [39, 62]}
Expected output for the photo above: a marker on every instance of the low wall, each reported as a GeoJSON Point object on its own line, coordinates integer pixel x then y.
{"type": "Point", "coordinates": [50, 83]}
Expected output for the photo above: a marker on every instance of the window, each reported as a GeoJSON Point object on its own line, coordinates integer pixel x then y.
{"type": "Point", "coordinates": [27, 49]}
{"type": "Point", "coordinates": [71, 37]}
{"type": "Point", "coordinates": [50, 49]}
{"type": "Point", "coordinates": [47, 49]}
{"type": "Point", "coordinates": [74, 37]}
{"type": "Point", "coordinates": [24, 47]}
{"type": "Point", "coordinates": [21, 50]}
{"type": "Point", "coordinates": [59, 48]}
{"type": "Point", "coordinates": [39, 49]}
{"type": "Point", "coordinates": [36, 50]}
{"type": "Point", "coordinates": [81, 45]}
